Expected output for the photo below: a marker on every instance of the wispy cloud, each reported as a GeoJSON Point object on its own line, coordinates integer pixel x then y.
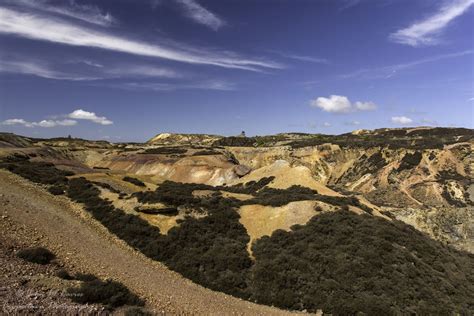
{"type": "Point", "coordinates": [164, 86]}
{"type": "Point", "coordinates": [390, 71]}
{"type": "Point", "coordinates": [352, 123]}
{"type": "Point", "coordinates": [196, 12]}
{"type": "Point", "coordinates": [39, 27]}
{"type": "Point", "coordinates": [425, 32]}
{"type": "Point", "coordinates": [43, 123]}
{"type": "Point", "coordinates": [39, 70]}
{"type": "Point", "coordinates": [88, 13]}
{"type": "Point", "coordinates": [142, 71]}
{"type": "Point", "coordinates": [347, 4]}
{"type": "Point", "coordinates": [341, 104]}
{"type": "Point", "coordinates": [311, 59]}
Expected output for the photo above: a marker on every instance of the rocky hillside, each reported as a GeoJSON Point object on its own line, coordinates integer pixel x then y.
{"type": "Point", "coordinates": [250, 215]}
{"type": "Point", "coordinates": [183, 139]}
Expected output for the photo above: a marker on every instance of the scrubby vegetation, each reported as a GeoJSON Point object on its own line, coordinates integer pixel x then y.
{"type": "Point", "coordinates": [134, 181]}
{"type": "Point", "coordinates": [38, 172]}
{"type": "Point", "coordinates": [107, 186]}
{"type": "Point", "coordinates": [165, 151]}
{"type": "Point", "coordinates": [38, 255]}
{"type": "Point", "coordinates": [56, 190]}
{"type": "Point", "coordinates": [345, 263]}
{"type": "Point", "coordinates": [207, 152]}
{"type": "Point", "coordinates": [110, 293]}
{"type": "Point", "coordinates": [169, 211]}
{"type": "Point", "coordinates": [410, 161]}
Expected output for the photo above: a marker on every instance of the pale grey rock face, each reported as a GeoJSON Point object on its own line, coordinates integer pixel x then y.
{"type": "Point", "coordinates": [242, 170]}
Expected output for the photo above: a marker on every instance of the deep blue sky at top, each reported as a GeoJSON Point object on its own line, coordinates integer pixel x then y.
{"type": "Point", "coordinates": [263, 66]}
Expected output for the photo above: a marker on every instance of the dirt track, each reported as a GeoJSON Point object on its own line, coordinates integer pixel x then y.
{"type": "Point", "coordinates": [82, 244]}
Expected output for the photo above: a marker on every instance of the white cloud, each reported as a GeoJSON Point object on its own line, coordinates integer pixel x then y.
{"type": "Point", "coordinates": [341, 104]}
{"type": "Point", "coordinates": [201, 15]}
{"type": "Point", "coordinates": [43, 123]}
{"type": "Point", "coordinates": [425, 32]}
{"type": "Point", "coordinates": [335, 103]}
{"type": "Point", "coordinates": [326, 124]}
{"type": "Point", "coordinates": [402, 120]}
{"type": "Point", "coordinates": [365, 106]}
{"type": "Point", "coordinates": [38, 27]}
{"type": "Point", "coordinates": [17, 121]}
{"type": "Point", "coordinates": [90, 116]}
{"type": "Point", "coordinates": [88, 13]}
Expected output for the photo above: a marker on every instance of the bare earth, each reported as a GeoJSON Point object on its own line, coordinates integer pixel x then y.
{"type": "Point", "coordinates": [34, 217]}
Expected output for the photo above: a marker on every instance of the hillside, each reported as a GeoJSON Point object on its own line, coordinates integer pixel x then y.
{"type": "Point", "coordinates": [379, 222]}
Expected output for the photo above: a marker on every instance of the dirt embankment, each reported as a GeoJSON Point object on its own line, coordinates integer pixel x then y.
{"type": "Point", "coordinates": [84, 245]}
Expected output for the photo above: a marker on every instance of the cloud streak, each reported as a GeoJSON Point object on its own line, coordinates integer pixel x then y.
{"type": "Point", "coordinates": [88, 13]}
{"type": "Point", "coordinates": [217, 85]}
{"type": "Point", "coordinates": [426, 32]}
{"type": "Point", "coordinates": [42, 28]}
{"type": "Point", "coordinates": [39, 70]}
{"type": "Point", "coordinates": [303, 58]}
{"type": "Point", "coordinates": [196, 12]}
{"type": "Point", "coordinates": [390, 71]}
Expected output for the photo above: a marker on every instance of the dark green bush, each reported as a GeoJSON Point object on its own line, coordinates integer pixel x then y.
{"type": "Point", "coordinates": [109, 293]}
{"type": "Point", "coordinates": [165, 151]}
{"type": "Point", "coordinates": [56, 190]}
{"type": "Point", "coordinates": [136, 311]}
{"type": "Point", "coordinates": [410, 161]}
{"type": "Point", "coordinates": [63, 274]}
{"type": "Point", "coordinates": [345, 263]}
{"type": "Point", "coordinates": [206, 153]}
{"type": "Point", "coordinates": [134, 181]}
{"type": "Point", "coordinates": [36, 255]}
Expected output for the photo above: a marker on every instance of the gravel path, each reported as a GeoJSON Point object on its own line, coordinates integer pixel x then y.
{"type": "Point", "coordinates": [82, 244]}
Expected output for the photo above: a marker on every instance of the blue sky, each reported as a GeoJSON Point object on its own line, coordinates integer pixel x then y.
{"type": "Point", "coordinates": [124, 70]}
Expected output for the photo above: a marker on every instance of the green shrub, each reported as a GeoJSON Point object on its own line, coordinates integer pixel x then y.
{"type": "Point", "coordinates": [134, 181]}
{"type": "Point", "coordinates": [409, 161]}
{"type": "Point", "coordinates": [56, 190]}
{"type": "Point", "coordinates": [63, 274]}
{"type": "Point", "coordinates": [347, 264]}
{"type": "Point", "coordinates": [165, 151]}
{"type": "Point", "coordinates": [38, 255]}
{"type": "Point", "coordinates": [136, 311]}
{"type": "Point", "coordinates": [109, 293]}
